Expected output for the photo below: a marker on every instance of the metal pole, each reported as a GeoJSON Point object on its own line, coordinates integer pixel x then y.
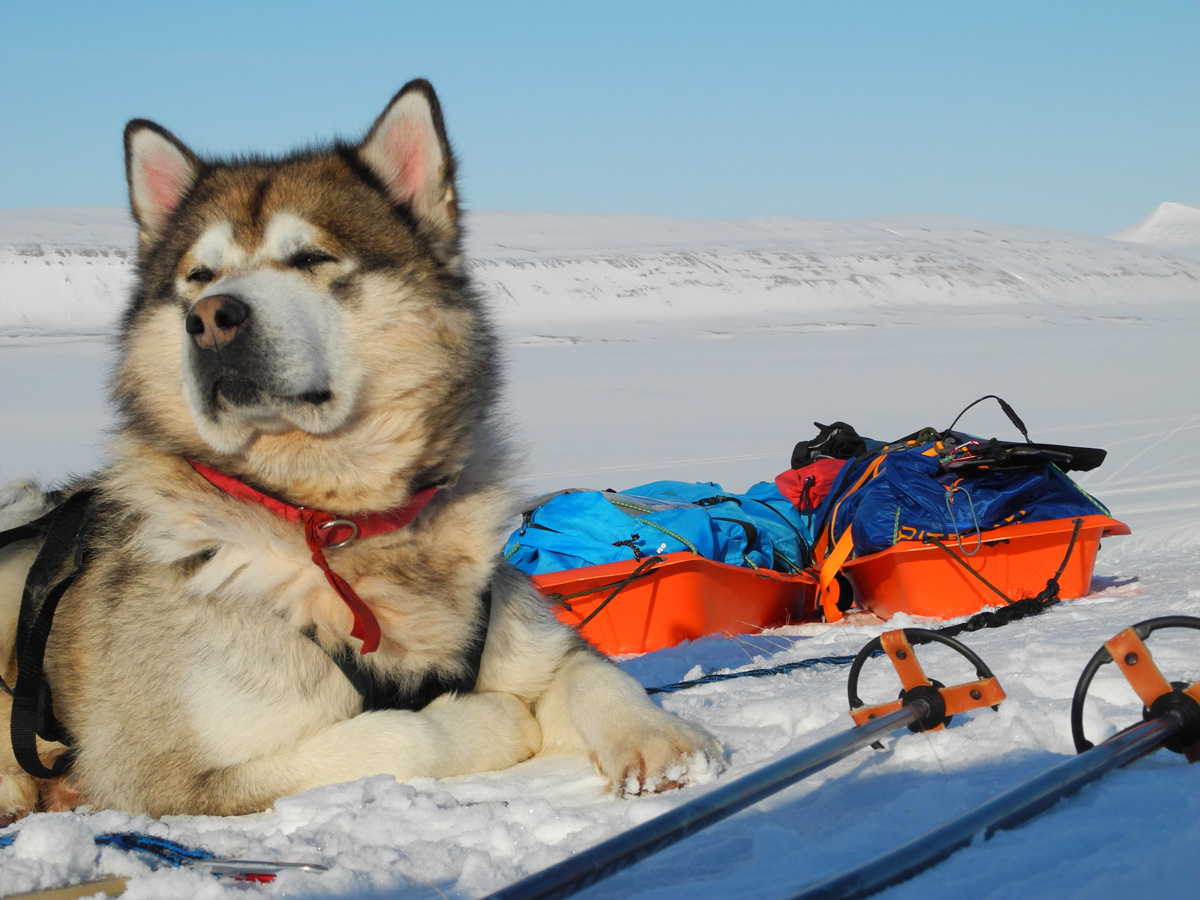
{"type": "Point", "coordinates": [1006, 811]}
{"type": "Point", "coordinates": [619, 852]}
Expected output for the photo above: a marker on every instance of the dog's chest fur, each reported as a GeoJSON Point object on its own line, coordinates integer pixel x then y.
{"type": "Point", "coordinates": [227, 593]}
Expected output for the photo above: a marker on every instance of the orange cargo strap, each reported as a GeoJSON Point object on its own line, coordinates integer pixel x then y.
{"type": "Point", "coordinates": [828, 589]}
{"type": "Point", "coordinates": [832, 562]}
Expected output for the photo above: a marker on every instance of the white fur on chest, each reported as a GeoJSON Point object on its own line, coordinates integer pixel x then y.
{"type": "Point", "coordinates": [244, 555]}
{"type": "Point", "coordinates": [245, 559]}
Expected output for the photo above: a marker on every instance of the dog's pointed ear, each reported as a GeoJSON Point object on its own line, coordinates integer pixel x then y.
{"type": "Point", "coordinates": [160, 171]}
{"type": "Point", "coordinates": [407, 150]}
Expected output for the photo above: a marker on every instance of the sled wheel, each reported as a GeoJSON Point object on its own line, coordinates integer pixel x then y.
{"type": "Point", "coordinates": [941, 702]}
{"type": "Point", "coordinates": [1159, 697]}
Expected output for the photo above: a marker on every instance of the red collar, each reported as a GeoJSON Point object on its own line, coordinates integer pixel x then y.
{"type": "Point", "coordinates": [323, 530]}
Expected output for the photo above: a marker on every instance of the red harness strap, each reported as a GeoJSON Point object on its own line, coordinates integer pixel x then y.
{"type": "Point", "coordinates": [324, 530]}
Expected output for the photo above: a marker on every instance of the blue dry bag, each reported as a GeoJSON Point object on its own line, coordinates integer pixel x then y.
{"type": "Point", "coordinates": [758, 529]}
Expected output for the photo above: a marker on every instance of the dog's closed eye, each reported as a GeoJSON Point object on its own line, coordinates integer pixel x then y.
{"type": "Point", "coordinates": [310, 259]}
{"type": "Point", "coordinates": [200, 276]}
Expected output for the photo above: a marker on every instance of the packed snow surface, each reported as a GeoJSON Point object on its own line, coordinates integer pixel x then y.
{"type": "Point", "coordinates": [642, 348]}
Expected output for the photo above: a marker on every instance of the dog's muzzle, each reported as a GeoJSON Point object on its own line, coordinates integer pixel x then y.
{"type": "Point", "coordinates": [236, 356]}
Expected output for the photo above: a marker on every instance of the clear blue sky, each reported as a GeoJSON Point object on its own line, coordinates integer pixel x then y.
{"type": "Point", "coordinates": [1080, 114]}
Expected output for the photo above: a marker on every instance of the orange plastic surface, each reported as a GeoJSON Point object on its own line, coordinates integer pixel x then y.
{"type": "Point", "coordinates": [1134, 660]}
{"type": "Point", "coordinates": [685, 597]}
{"type": "Point", "coordinates": [959, 699]}
{"type": "Point", "coordinates": [921, 579]}
{"type": "Point", "coordinates": [904, 660]}
{"type": "Point", "coordinates": [874, 712]}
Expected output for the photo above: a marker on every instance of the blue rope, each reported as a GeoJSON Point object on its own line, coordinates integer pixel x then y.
{"type": "Point", "coordinates": [757, 673]}
{"type": "Point", "coordinates": [171, 852]}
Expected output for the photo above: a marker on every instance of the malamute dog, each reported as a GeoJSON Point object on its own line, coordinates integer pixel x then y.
{"type": "Point", "coordinates": [288, 575]}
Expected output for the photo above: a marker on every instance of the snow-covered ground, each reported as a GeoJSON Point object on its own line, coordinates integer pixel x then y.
{"type": "Point", "coordinates": [644, 348]}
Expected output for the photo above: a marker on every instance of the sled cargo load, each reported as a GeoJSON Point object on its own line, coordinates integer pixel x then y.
{"type": "Point", "coordinates": [938, 524]}
{"type": "Point", "coordinates": [666, 562]}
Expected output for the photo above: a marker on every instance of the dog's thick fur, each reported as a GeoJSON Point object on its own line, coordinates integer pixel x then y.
{"type": "Point", "coordinates": [355, 367]}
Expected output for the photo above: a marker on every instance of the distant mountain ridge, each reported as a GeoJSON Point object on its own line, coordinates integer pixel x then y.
{"type": "Point", "coordinates": [69, 269]}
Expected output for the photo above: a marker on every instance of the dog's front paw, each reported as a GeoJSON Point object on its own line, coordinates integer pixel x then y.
{"type": "Point", "coordinates": [662, 754]}
{"type": "Point", "coordinates": [18, 795]}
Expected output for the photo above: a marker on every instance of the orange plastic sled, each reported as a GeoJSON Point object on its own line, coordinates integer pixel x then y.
{"type": "Point", "coordinates": [681, 598]}
{"type": "Point", "coordinates": [922, 580]}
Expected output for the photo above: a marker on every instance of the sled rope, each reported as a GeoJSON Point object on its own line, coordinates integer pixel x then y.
{"type": "Point", "coordinates": [754, 673]}
{"type": "Point", "coordinates": [949, 498]}
{"type": "Point", "coordinates": [1018, 609]}
{"type": "Point", "coordinates": [1031, 606]}
{"type": "Point", "coordinates": [930, 539]}
{"type": "Point", "coordinates": [564, 600]}
{"type": "Point", "coordinates": [1049, 594]}
{"type": "Point", "coordinates": [643, 569]}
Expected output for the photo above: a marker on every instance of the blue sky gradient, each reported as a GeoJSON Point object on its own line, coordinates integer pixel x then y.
{"type": "Point", "coordinates": [1078, 114]}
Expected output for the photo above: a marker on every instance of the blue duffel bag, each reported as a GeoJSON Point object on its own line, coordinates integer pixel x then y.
{"type": "Point", "coordinates": [573, 529]}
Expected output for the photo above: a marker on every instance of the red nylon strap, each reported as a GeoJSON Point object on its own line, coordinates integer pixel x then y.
{"type": "Point", "coordinates": [323, 529]}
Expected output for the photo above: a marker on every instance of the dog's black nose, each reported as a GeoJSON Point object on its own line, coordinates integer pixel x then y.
{"type": "Point", "coordinates": [213, 322]}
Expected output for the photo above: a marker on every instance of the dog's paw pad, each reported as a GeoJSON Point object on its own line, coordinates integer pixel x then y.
{"type": "Point", "coordinates": [672, 755]}
{"type": "Point", "coordinates": [697, 767]}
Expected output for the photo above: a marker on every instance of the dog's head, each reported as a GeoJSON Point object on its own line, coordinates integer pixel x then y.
{"type": "Point", "coordinates": [302, 318]}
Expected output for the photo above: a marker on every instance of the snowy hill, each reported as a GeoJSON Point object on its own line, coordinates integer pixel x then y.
{"type": "Point", "coordinates": [638, 269]}
{"type": "Point", "coordinates": [1172, 227]}
{"type": "Point", "coordinates": [556, 274]}
{"type": "Point", "coordinates": [64, 269]}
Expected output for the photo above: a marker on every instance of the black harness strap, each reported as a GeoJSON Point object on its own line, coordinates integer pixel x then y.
{"type": "Point", "coordinates": [15, 536]}
{"type": "Point", "coordinates": [63, 556]}
{"type": "Point", "coordinates": [20, 533]}
{"type": "Point", "coordinates": [379, 691]}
